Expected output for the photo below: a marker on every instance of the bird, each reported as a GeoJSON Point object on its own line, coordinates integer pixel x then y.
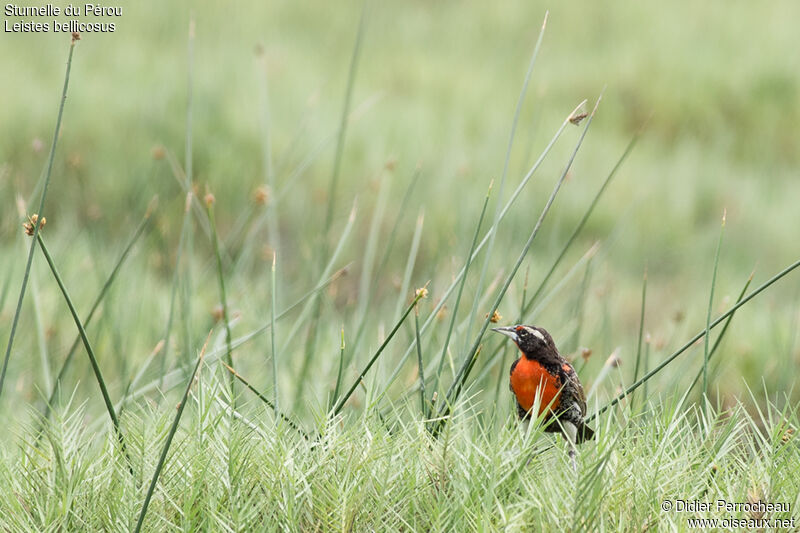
{"type": "Point", "coordinates": [542, 371]}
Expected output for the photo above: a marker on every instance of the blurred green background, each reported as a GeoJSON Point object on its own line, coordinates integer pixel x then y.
{"type": "Point", "coordinates": [436, 89]}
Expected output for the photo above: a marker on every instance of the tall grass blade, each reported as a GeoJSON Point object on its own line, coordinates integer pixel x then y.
{"type": "Point", "coordinates": [421, 293]}
{"type": "Point", "coordinates": [706, 353]}
{"type": "Point", "coordinates": [647, 344]}
{"type": "Point", "coordinates": [172, 430]}
{"type": "Point", "coordinates": [420, 366]}
{"type": "Point", "coordinates": [368, 262]}
{"type": "Point", "coordinates": [582, 222]}
{"type": "Point", "coordinates": [40, 214]}
{"type": "Point", "coordinates": [387, 249]}
{"type": "Point", "coordinates": [339, 373]}
{"type": "Point", "coordinates": [274, 291]}
{"type": "Point", "coordinates": [311, 339]}
{"type": "Point", "coordinates": [223, 296]}
{"type": "Point", "coordinates": [41, 338]}
{"type": "Point", "coordinates": [348, 97]}
{"type": "Point", "coordinates": [410, 261]}
{"type": "Point", "coordinates": [266, 149]}
{"type": "Point", "coordinates": [720, 336]}
{"type": "Point", "coordinates": [165, 382]}
{"type": "Point", "coordinates": [490, 231]}
{"type": "Point", "coordinates": [101, 295]}
{"type": "Point", "coordinates": [461, 290]}
{"type": "Point", "coordinates": [313, 308]}
{"type": "Point", "coordinates": [182, 243]}
{"type": "Point", "coordinates": [499, 202]}
{"type": "Point", "coordinates": [563, 282]}
{"type": "Point", "coordinates": [189, 104]}
{"type": "Point", "coordinates": [694, 339]}
{"type": "Point", "coordinates": [89, 351]}
{"type": "Point", "coordinates": [573, 341]}
{"type": "Point", "coordinates": [469, 361]}
{"type": "Point", "coordinates": [186, 282]}
{"type": "Point", "coordinates": [641, 328]}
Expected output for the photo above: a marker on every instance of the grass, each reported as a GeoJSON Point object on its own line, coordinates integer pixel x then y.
{"type": "Point", "coordinates": [168, 441]}
{"type": "Point", "coordinates": [706, 337]}
{"type": "Point", "coordinates": [366, 476]}
{"type": "Point", "coordinates": [408, 425]}
{"type": "Point", "coordinates": [209, 199]}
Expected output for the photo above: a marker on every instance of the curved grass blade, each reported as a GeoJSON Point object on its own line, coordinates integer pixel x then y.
{"type": "Point", "coordinates": [370, 247]}
{"type": "Point", "coordinates": [41, 340]}
{"type": "Point", "coordinates": [393, 234]}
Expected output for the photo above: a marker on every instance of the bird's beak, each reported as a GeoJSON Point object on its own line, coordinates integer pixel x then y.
{"type": "Point", "coordinates": [508, 331]}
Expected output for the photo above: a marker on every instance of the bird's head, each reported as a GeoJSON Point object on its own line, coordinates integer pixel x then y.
{"type": "Point", "coordinates": [531, 340]}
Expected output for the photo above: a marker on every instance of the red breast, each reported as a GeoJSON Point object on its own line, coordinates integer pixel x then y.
{"type": "Point", "coordinates": [529, 378]}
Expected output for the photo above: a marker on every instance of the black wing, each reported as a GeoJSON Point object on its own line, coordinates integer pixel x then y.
{"type": "Point", "coordinates": [511, 371]}
{"type": "Point", "coordinates": [572, 385]}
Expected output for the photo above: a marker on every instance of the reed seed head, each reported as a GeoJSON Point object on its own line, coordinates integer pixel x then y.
{"type": "Point", "coordinates": [261, 195]}
{"type": "Point", "coordinates": [31, 224]}
{"type": "Point", "coordinates": [158, 152]}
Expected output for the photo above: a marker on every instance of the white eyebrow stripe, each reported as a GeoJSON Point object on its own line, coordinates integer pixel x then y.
{"type": "Point", "coordinates": [537, 333]}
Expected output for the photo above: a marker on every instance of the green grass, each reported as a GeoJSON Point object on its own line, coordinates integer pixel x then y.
{"type": "Point", "coordinates": [371, 156]}
{"type": "Point", "coordinates": [362, 475]}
